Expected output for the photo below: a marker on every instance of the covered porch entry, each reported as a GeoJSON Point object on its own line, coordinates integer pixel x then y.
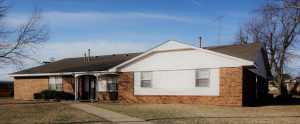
{"type": "Point", "coordinates": [87, 89]}
{"type": "Point", "coordinates": [93, 86]}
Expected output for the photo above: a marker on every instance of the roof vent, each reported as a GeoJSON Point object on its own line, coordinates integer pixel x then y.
{"type": "Point", "coordinates": [46, 62]}
{"type": "Point", "coordinates": [84, 59]}
{"type": "Point", "coordinates": [113, 54]}
{"type": "Point", "coordinates": [89, 55]}
{"type": "Point", "coordinates": [200, 42]}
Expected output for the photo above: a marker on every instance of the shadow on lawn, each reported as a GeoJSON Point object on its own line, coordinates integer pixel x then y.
{"type": "Point", "coordinates": [282, 100]}
{"type": "Point", "coordinates": [184, 118]}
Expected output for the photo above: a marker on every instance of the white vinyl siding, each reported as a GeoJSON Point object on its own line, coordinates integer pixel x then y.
{"type": "Point", "coordinates": [102, 83]}
{"type": "Point", "coordinates": [202, 78]}
{"type": "Point", "coordinates": [55, 83]}
{"type": "Point", "coordinates": [261, 67]}
{"type": "Point", "coordinates": [146, 79]}
{"type": "Point", "coordinates": [179, 60]}
{"type": "Point", "coordinates": [177, 82]}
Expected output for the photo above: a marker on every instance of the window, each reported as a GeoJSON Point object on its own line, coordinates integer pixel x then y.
{"type": "Point", "coordinates": [146, 79]}
{"type": "Point", "coordinates": [202, 78]}
{"type": "Point", "coordinates": [112, 83]}
{"type": "Point", "coordinates": [55, 83]}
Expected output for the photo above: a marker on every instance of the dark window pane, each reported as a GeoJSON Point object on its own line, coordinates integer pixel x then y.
{"type": "Point", "coordinates": [112, 86]}
{"type": "Point", "coordinates": [146, 83]}
{"type": "Point", "coordinates": [202, 82]}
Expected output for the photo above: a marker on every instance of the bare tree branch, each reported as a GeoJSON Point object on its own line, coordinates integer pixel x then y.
{"type": "Point", "coordinates": [277, 26]}
{"type": "Point", "coordinates": [28, 37]}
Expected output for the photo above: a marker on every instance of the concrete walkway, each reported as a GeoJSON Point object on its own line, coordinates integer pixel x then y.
{"type": "Point", "coordinates": [109, 115]}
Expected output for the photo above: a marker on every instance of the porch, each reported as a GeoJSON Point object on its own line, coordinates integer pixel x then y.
{"type": "Point", "coordinates": [95, 86]}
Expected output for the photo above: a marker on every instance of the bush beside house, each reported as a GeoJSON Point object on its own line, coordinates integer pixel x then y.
{"type": "Point", "coordinates": [52, 94]}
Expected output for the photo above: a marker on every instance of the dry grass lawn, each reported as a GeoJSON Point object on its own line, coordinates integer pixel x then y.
{"type": "Point", "coordinates": [10, 100]}
{"type": "Point", "coordinates": [194, 114]}
{"type": "Point", "coordinates": [45, 113]}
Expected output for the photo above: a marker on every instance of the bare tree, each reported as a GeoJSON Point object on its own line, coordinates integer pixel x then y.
{"type": "Point", "coordinates": [277, 26]}
{"type": "Point", "coordinates": [241, 37]}
{"type": "Point", "coordinates": [17, 46]}
{"type": "Point", "coordinates": [288, 5]}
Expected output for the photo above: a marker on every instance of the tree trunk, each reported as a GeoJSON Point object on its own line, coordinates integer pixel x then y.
{"type": "Point", "coordinates": [278, 83]}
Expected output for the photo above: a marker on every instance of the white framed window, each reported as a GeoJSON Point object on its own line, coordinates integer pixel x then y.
{"type": "Point", "coordinates": [111, 83]}
{"type": "Point", "coordinates": [146, 79]}
{"type": "Point", "coordinates": [55, 83]}
{"type": "Point", "coordinates": [202, 78]}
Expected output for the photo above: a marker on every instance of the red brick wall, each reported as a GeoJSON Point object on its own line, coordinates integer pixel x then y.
{"type": "Point", "coordinates": [231, 80]}
{"type": "Point", "coordinates": [68, 84]}
{"type": "Point", "coordinates": [108, 96]}
{"type": "Point", "coordinates": [24, 88]}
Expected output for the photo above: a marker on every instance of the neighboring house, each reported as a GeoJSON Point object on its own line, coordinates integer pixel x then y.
{"type": "Point", "coordinates": [172, 72]}
{"type": "Point", "coordinates": [292, 85]}
{"type": "Point", "coordinates": [6, 88]}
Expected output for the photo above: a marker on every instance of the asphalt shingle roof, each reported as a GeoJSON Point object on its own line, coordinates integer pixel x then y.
{"type": "Point", "coordinates": [96, 63]}
{"type": "Point", "coordinates": [244, 51]}
{"type": "Point", "coordinates": [102, 63]}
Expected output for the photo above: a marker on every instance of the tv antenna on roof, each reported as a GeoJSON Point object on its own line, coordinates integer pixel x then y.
{"type": "Point", "coordinates": [213, 13]}
{"type": "Point", "coordinates": [219, 27]}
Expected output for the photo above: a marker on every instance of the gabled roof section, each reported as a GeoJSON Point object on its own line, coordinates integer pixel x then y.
{"type": "Point", "coordinates": [174, 45]}
{"type": "Point", "coordinates": [96, 63]}
{"type": "Point", "coordinates": [171, 45]}
{"type": "Point", "coordinates": [244, 51]}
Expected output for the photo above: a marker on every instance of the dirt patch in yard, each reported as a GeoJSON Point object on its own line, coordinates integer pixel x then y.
{"type": "Point", "coordinates": [45, 113]}
{"type": "Point", "coordinates": [192, 114]}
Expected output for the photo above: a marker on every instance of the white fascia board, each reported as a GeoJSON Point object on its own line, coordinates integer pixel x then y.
{"type": "Point", "coordinates": [243, 61]}
{"type": "Point", "coordinates": [39, 74]}
{"type": "Point", "coordinates": [53, 74]}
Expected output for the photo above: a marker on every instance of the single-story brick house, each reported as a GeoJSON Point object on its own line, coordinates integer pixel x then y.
{"type": "Point", "coordinates": [172, 72]}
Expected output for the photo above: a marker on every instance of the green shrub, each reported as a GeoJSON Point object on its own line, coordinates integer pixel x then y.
{"type": "Point", "coordinates": [37, 96]}
{"type": "Point", "coordinates": [52, 94]}
{"type": "Point", "coordinates": [48, 94]}
{"type": "Point", "coordinates": [65, 96]}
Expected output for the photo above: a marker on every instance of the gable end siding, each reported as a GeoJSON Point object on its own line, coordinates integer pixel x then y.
{"type": "Point", "coordinates": [261, 65]}
{"type": "Point", "coordinates": [180, 60]}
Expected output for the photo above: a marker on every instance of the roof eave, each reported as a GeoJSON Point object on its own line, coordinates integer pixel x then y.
{"type": "Point", "coordinates": [53, 74]}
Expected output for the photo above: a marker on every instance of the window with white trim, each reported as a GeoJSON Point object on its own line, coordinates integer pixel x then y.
{"type": "Point", "coordinates": [111, 83]}
{"type": "Point", "coordinates": [55, 83]}
{"type": "Point", "coordinates": [146, 79]}
{"type": "Point", "coordinates": [202, 78]}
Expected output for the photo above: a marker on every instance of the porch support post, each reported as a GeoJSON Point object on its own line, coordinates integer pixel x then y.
{"type": "Point", "coordinates": [97, 83]}
{"type": "Point", "coordinates": [76, 88]}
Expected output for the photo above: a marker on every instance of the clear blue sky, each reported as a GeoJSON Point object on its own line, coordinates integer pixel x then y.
{"type": "Point", "coordinates": [147, 21]}
{"type": "Point", "coordinates": [117, 26]}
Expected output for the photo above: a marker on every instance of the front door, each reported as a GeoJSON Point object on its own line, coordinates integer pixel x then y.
{"type": "Point", "coordinates": [88, 87]}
